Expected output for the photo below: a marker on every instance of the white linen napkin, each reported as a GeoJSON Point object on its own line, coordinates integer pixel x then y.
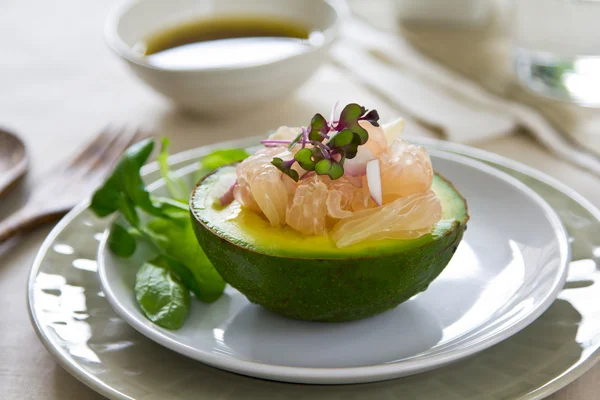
{"type": "Point", "coordinates": [458, 107]}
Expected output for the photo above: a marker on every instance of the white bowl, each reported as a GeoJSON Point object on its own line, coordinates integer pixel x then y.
{"type": "Point", "coordinates": [216, 90]}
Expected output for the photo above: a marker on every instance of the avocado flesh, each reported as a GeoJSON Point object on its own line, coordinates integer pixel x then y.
{"type": "Point", "coordinates": [308, 277]}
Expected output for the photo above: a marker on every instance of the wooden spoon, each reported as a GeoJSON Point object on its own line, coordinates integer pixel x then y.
{"type": "Point", "coordinates": [13, 160]}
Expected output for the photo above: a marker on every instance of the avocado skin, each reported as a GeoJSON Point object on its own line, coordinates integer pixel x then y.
{"type": "Point", "coordinates": [329, 290]}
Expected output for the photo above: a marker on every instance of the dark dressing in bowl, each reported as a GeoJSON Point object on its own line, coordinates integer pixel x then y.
{"type": "Point", "coordinates": [227, 42]}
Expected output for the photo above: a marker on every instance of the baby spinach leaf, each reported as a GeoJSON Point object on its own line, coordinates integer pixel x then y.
{"type": "Point", "coordinates": [218, 158]}
{"type": "Point", "coordinates": [132, 161]}
{"type": "Point", "coordinates": [106, 200]}
{"type": "Point", "coordinates": [181, 271]}
{"type": "Point", "coordinates": [128, 210]}
{"type": "Point", "coordinates": [173, 208]}
{"type": "Point", "coordinates": [121, 242]}
{"type": "Point", "coordinates": [163, 285]}
{"type": "Point", "coordinates": [163, 299]}
{"type": "Point", "coordinates": [126, 180]}
{"type": "Point", "coordinates": [176, 239]}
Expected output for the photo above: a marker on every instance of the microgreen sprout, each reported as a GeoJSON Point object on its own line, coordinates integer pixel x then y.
{"type": "Point", "coordinates": [332, 142]}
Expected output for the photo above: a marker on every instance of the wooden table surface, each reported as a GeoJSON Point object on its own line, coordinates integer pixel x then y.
{"type": "Point", "coordinates": [59, 85]}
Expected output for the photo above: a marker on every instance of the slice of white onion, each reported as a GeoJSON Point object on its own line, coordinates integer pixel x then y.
{"type": "Point", "coordinates": [227, 197]}
{"type": "Point", "coordinates": [222, 191]}
{"type": "Point", "coordinates": [357, 166]}
{"type": "Point", "coordinates": [374, 181]}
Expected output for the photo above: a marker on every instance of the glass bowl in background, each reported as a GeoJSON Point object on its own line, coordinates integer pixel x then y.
{"type": "Point", "coordinates": [557, 48]}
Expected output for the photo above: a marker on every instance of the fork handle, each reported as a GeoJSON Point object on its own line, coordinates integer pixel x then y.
{"type": "Point", "coordinates": [24, 220]}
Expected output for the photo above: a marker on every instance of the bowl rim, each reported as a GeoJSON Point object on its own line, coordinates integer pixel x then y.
{"type": "Point", "coordinates": [114, 41]}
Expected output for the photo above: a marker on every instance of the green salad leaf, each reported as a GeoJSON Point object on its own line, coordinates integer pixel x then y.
{"type": "Point", "coordinates": [121, 242]}
{"type": "Point", "coordinates": [218, 158]}
{"type": "Point", "coordinates": [161, 296]}
{"type": "Point", "coordinates": [176, 187]}
{"type": "Point", "coordinates": [177, 240]}
{"type": "Point", "coordinates": [165, 224]}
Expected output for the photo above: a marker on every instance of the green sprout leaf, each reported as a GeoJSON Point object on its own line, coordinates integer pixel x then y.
{"type": "Point", "coordinates": [341, 139]}
{"type": "Point", "coordinates": [297, 140]}
{"type": "Point", "coordinates": [350, 116]}
{"type": "Point", "coordinates": [344, 138]}
{"type": "Point", "coordinates": [304, 158]}
{"type": "Point", "coordinates": [345, 142]}
{"type": "Point", "coordinates": [331, 168]}
{"type": "Point", "coordinates": [336, 170]}
{"type": "Point", "coordinates": [349, 120]}
{"type": "Point", "coordinates": [286, 168]}
{"type": "Point", "coordinates": [318, 128]}
{"type": "Point", "coordinates": [372, 117]}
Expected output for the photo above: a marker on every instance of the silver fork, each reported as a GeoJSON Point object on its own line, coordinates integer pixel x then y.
{"type": "Point", "coordinates": [64, 187]}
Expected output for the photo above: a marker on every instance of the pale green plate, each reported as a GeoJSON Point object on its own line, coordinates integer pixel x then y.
{"type": "Point", "coordinates": [77, 325]}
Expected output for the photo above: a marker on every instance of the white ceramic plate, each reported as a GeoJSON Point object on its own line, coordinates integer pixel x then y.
{"type": "Point", "coordinates": [506, 272]}
{"type": "Point", "coordinates": [80, 329]}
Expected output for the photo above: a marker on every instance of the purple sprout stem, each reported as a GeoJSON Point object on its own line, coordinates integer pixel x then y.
{"type": "Point", "coordinates": [306, 175]}
{"type": "Point", "coordinates": [332, 115]}
{"type": "Point", "coordinates": [304, 136]}
{"type": "Point", "coordinates": [275, 141]}
{"type": "Point", "coordinates": [325, 150]}
{"type": "Point", "coordinates": [288, 164]}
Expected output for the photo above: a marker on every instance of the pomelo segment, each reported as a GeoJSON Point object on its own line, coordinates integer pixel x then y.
{"type": "Point", "coordinates": [260, 185]}
{"type": "Point", "coordinates": [405, 218]}
{"type": "Point", "coordinates": [393, 129]}
{"type": "Point", "coordinates": [316, 198]}
{"type": "Point", "coordinates": [377, 142]}
{"type": "Point", "coordinates": [405, 169]}
{"type": "Point", "coordinates": [393, 200]}
{"type": "Point", "coordinates": [339, 198]}
{"type": "Point", "coordinates": [308, 211]}
{"type": "Point", "coordinates": [285, 133]}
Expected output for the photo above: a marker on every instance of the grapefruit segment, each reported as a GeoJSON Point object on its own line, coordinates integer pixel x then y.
{"type": "Point", "coordinates": [307, 212]}
{"type": "Point", "coordinates": [405, 218]}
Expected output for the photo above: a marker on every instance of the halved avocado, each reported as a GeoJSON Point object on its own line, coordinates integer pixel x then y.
{"type": "Point", "coordinates": [308, 277]}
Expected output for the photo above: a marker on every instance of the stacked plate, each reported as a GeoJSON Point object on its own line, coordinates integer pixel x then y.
{"type": "Point", "coordinates": [502, 300]}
